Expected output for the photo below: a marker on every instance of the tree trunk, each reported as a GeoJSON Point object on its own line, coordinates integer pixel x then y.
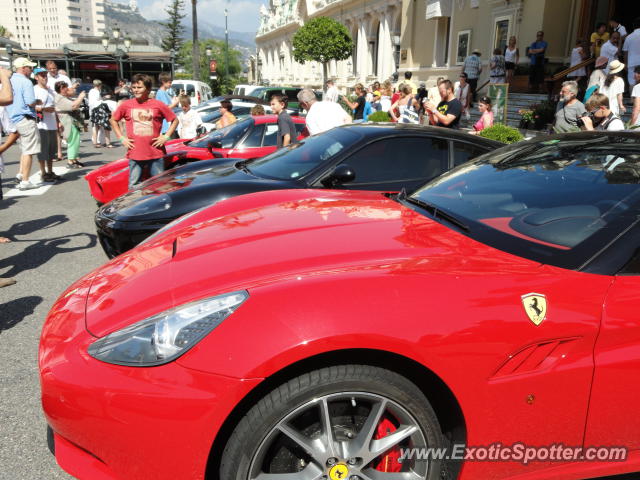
{"type": "Point", "coordinates": [196, 42]}
{"type": "Point", "coordinates": [325, 76]}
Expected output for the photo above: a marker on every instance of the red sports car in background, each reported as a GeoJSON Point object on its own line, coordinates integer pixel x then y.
{"type": "Point", "coordinates": [250, 138]}
{"type": "Point", "coordinates": [492, 315]}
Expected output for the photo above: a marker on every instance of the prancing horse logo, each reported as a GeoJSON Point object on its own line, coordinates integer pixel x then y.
{"type": "Point", "coordinates": [339, 472]}
{"type": "Point", "coordinates": [535, 306]}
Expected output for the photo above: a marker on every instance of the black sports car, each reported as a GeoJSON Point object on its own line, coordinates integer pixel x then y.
{"type": "Point", "coordinates": [355, 157]}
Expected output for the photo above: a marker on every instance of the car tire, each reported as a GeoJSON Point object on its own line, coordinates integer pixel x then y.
{"type": "Point", "coordinates": [339, 391]}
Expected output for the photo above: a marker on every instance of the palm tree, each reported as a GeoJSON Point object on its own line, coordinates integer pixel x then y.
{"type": "Point", "coordinates": [196, 42]}
{"type": "Point", "coordinates": [4, 32]}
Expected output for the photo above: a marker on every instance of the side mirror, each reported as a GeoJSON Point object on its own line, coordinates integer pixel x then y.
{"type": "Point", "coordinates": [211, 146]}
{"type": "Point", "coordinates": [341, 175]}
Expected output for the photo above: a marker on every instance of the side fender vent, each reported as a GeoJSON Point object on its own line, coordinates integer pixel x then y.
{"type": "Point", "coordinates": [536, 357]}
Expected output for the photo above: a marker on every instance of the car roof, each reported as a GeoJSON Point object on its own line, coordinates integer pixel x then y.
{"type": "Point", "coordinates": [374, 129]}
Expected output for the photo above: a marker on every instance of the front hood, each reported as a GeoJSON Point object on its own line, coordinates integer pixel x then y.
{"type": "Point", "coordinates": [321, 233]}
{"type": "Point", "coordinates": [174, 145]}
{"type": "Point", "coordinates": [183, 190]}
{"type": "Point", "coordinates": [279, 237]}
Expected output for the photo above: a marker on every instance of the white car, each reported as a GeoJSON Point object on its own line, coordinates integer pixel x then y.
{"type": "Point", "coordinates": [199, 92]}
{"type": "Point", "coordinates": [210, 113]}
{"type": "Point", "coordinates": [245, 89]}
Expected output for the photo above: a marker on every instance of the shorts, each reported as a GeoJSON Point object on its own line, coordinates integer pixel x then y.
{"type": "Point", "coordinates": [48, 145]}
{"type": "Point", "coordinates": [29, 136]}
{"type": "Point", "coordinates": [509, 65]}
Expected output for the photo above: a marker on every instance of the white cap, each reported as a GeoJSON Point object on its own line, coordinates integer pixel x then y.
{"type": "Point", "coordinates": [23, 62]}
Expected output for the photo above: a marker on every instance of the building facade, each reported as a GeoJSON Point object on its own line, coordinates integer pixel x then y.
{"type": "Point", "coordinates": [50, 23]}
{"type": "Point", "coordinates": [438, 34]}
{"type": "Point", "coordinates": [375, 26]}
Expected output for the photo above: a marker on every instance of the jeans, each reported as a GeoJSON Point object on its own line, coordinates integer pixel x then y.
{"type": "Point", "coordinates": [156, 167]}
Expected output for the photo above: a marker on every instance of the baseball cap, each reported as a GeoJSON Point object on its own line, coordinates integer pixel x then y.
{"type": "Point", "coordinates": [39, 70]}
{"type": "Point", "coordinates": [475, 50]}
{"type": "Point", "coordinates": [23, 62]}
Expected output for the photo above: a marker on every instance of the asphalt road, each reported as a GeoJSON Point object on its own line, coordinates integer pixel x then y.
{"type": "Point", "coordinates": [53, 244]}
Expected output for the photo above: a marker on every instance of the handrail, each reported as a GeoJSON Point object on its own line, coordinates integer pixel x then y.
{"type": "Point", "coordinates": [567, 71]}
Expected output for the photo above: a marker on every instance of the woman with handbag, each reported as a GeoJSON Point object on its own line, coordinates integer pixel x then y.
{"type": "Point", "coordinates": [70, 117]}
{"type": "Point", "coordinates": [407, 107]}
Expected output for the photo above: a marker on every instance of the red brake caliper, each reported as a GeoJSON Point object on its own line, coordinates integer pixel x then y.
{"type": "Point", "coordinates": [389, 462]}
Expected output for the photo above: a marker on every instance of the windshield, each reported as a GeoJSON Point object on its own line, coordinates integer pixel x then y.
{"type": "Point", "coordinates": [227, 136]}
{"type": "Point", "coordinates": [556, 202]}
{"type": "Point", "coordinates": [297, 160]}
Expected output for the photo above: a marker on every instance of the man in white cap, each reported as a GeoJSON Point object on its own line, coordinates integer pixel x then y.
{"type": "Point", "coordinates": [321, 116]}
{"type": "Point", "coordinates": [23, 115]}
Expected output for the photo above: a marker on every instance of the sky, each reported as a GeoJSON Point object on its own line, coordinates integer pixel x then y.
{"type": "Point", "coordinates": [244, 15]}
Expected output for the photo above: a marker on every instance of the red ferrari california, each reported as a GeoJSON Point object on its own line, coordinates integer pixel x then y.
{"type": "Point", "coordinates": [481, 327]}
{"type": "Point", "coordinates": [253, 137]}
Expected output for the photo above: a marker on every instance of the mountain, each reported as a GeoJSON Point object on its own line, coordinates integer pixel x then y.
{"type": "Point", "coordinates": [133, 24]}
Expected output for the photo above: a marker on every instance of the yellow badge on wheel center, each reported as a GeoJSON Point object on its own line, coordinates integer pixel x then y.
{"type": "Point", "coordinates": [339, 472]}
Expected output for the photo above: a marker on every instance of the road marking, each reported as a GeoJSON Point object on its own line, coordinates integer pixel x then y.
{"type": "Point", "coordinates": [35, 179]}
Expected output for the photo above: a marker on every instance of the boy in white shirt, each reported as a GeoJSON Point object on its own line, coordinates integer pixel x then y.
{"type": "Point", "coordinates": [189, 121]}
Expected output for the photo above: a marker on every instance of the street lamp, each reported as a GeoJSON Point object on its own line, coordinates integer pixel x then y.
{"type": "Point", "coordinates": [9, 50]}
{"type": "Point", "coordinates": [208, 52]}
{"type": "Point", "coordinates": [116, 33]}
{"type": "Point", "coordinates": [65, 50]}
{"type": "Point", "coordinates": [127, 43]}
{"type": "Point", "coordinates": [396, 46]}
{"type": "Point", "coordinates": [105, 42]}
{"type": "Point", "coordinates": [226, 42]}
{"type": "Point", "coordinates": [119, 55]}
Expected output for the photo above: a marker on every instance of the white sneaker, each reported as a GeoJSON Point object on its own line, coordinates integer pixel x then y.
{"type": "Point", "coordinates": [27, 186]}
{"type": "Point", "coordinates": [19, 177]}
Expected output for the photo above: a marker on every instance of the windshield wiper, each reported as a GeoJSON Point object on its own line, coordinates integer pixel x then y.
{"type": "Point", "coordinates": [434, 210]}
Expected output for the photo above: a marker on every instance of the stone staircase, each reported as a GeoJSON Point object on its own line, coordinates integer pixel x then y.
{"type": "Point", "coordinates": [517, 101]}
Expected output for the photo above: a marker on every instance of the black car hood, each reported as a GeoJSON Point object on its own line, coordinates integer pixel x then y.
{"type": "Point", "coordinates": [183, 190]}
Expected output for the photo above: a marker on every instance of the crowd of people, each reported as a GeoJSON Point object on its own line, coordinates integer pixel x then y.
{"type": "Point", "coordinates": [595, 100]}
{"type": "Point", "coordinates": [445, 104]}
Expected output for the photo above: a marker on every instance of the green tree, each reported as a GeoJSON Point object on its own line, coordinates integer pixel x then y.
{"type": "Point", "coordinates": [321, 40]}
{"type": "Point", "coordinates": [4, 32]}
{"type": "Point", "coordinates": [228, 78]}
{"type": "Point", "coordinates": [173, 41]}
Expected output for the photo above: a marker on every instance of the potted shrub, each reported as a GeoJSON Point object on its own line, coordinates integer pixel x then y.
{"type": "Point", "coordinates": [502, 133]}
{"type": "Point", "coordinates": [379, 117]}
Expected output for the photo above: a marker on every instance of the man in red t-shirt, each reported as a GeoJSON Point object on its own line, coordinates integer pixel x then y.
{"type": "Point", "coordinates": [143, 117]}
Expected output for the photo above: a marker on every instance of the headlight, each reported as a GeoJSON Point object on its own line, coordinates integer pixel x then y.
{"type": "Point", "coordinates": [148, 204]}
{"type": "Point", "coordinates": [164, 337]}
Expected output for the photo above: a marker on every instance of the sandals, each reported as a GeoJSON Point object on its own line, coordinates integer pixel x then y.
{"type": "Point", "coordinates": [78, 164]}
{"type": "Point", "coordinates": [97, 145]}
{"type": "Point", "coordinates": [111, 146]}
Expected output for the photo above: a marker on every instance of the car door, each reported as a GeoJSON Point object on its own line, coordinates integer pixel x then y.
{"type": "Point", "coordinates": [613, 418]}
{"type": "Point", "coordinates": [394, 163]}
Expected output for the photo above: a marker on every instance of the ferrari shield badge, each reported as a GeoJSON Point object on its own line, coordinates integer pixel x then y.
{"type": "Point", "coordinates": [339, 472]}
{"type": "Point", "coordinates": [535, 306]}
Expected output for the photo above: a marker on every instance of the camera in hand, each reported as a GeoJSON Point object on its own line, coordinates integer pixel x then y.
{"type": "Point", "coordinates": [580, 122]}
